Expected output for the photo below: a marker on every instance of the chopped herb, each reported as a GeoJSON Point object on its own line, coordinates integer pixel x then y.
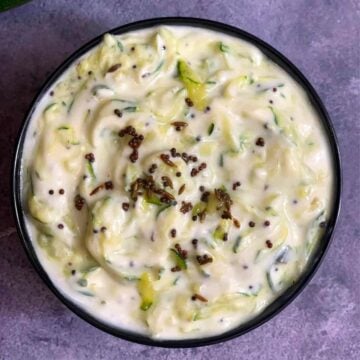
{"type": "Point", "coordinates": [211, 128]}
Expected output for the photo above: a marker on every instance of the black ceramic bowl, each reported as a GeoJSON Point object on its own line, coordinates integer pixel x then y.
{"type": "Point", "coordinates": [9, 4]}
{"type": "Point", "coordinates": [282, 301]}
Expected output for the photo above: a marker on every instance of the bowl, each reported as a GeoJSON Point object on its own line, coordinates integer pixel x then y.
{"type": "Point", "coordinates": [286, 297]}
{"type": "Point", "coordinates": [9, 4]}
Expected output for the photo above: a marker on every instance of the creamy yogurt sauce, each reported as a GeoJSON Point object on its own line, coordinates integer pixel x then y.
{"type": "Point", "coordinates": [176, 182]}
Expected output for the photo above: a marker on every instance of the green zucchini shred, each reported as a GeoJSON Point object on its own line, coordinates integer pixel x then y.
{"type": "Point", "coordinates": [131, 277]}
{"type": "Point", "coordinates": [71, 105]}
{"type": "Point", "coordinates": [314, 232]}
{"type": "Point", "coordinates": [152, 199]}
{"type": "Point", "coordinates": [179, 260]}
{"type": "Point", "coordinates": [82, 282]}
{"type": "Point", "coordinates": [96, 88]}
{"type": "Point", "coordinates": [90, 269]}
{"type": "Point", "coordinates": [86, 293]}
{"type": "Point", "coordinates": [130, 109]}
{"type": "Point", "coordinates": [120, 45]}
{"type": "Point", "coordinates": [161, 209]}
{"type": "Point", "coordinates": [146, 291]}
{"type": "Point", "coordinates": [195, 88]}
{"type": "Point", "coordinates": [90, 170]}
{"type": "Point", "coordinates": [198, 208]}
{"type": "Point", "coordinates": [221, 160]}
{"type": "Point", "coordinates": [224, 48]}
{"type": "Point", "coordinates": [243, 142]}
{"type": "Point", "coordinates": [269, 210]}
{"type": "Point", "coordinates": [47, 108]}
{"type": "Point", "coordinates": [270, 88]}
{"type": "Point", "coordinates": [236, 245]}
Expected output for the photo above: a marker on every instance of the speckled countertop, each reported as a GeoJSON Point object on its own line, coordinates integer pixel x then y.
{"type": "Point", "coordinates": [322, 38]}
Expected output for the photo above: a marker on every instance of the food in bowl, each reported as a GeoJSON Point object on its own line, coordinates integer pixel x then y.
{"type": "Point", "coordinates": [177, 181]}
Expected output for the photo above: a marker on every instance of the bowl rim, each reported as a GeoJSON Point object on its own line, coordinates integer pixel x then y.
{"type": "Point", "coordinates": [14, 5]}
{"type": "Point", "coordinates": [289, 294]}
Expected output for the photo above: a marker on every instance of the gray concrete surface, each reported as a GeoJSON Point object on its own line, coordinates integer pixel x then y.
{"type": "Point", "coordinates": [322, 38]}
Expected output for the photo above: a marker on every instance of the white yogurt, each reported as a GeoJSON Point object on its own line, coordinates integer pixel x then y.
{"type": "Point", "coordinates": [116, 250]}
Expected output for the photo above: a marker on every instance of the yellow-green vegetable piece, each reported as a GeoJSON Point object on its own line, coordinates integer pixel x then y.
{"type": "Point", "coordinates": [146, 291]}
{"type": "Point", "coordinates": [194, 86]}
{"type": "Point", "coordinates": [222, 229]}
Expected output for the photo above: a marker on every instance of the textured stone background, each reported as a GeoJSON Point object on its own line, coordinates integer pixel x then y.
{"type": "Point", "coordinates": [322, 38]}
